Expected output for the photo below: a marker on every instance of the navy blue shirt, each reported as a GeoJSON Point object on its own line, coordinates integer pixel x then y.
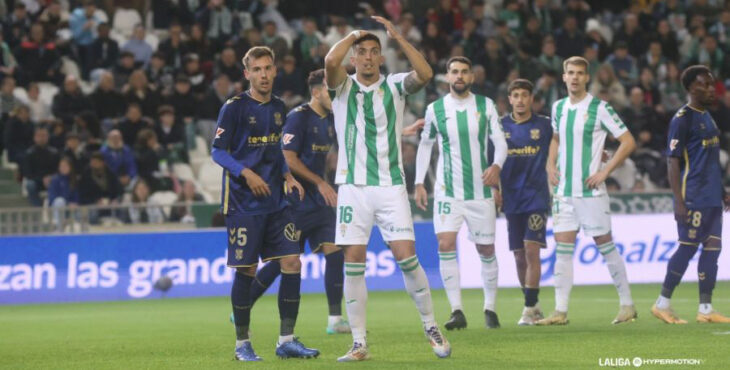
{"type": "Point", "coordinates": [695, 139]}
{"type": "Point", "coordinates": [310, 136]}
{"type": "Point", "coordinates": [250, 132]}
{"type": "Point", "coordinates": [524, 179]}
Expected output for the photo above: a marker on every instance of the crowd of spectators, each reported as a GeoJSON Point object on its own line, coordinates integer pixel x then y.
{"type": "Point", "coordinates": [99, 99]}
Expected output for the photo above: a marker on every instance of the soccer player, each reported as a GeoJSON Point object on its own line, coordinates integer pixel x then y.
{"type": "Point", "coordinates": [463, 123]}
{"type": "Point", "coordinates": [525, 191]}
{"type": "Point", "coordinates": [368, 109]}
{"type": "Point", "coordinates": [247, 145]}
{"type": "Point", "coordinates": [580, 125]}
{"type": "Point", "coordinates": [695, 176]}
{"type": "Point", "coordinates": [308, 135]}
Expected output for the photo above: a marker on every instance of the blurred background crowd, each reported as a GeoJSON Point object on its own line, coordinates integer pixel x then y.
{"type": "Point", "coordinates": [115, 102]}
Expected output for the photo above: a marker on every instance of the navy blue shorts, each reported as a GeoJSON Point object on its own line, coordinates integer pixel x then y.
{"type": "Point", "coordinates": [269, 236]}
{"type": "Point", "coordinates": [529, 226]}
{"type": "Point", "coordinates": [702, 224]}
{"type": "Point", "coordinates": [317, 226]}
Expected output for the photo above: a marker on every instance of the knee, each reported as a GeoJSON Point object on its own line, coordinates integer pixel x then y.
{"type": "Point", "coordinates": [250, 270]}
{"type": "Point", "coordinates": [447, 245]}
{"type": "Point", "coordinates": [291, 263]}
{"type": "Point", "coordinates": [603, 239]}
{"type": "Point", "coordinates": [520, 258]}
{"type": "Point", "coordinates": [486, 250]}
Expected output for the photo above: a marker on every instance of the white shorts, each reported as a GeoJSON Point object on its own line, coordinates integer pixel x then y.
{"type": "Point", "coordinates": [592, 214]}
{"type": "Point", "coordinates": [480, 216]}
{"type": "Point", "coordinates": [359, 206]}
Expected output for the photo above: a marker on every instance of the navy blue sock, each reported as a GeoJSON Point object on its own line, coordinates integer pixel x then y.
{"type": "Point", "coordinates": [707, 271]}
{"type": "Point", "coordinates": [264, 278]}
{"type": "Point", "coordinates": [241, 301]}
{"type": "Point", "coordinates": [531, 296]}
{"type": "Point", "coordinates": [334, 277]}
{"type": "Point", "coordinates": [676, 267]}
{"type": "Point", "coordinates": [289, 301]}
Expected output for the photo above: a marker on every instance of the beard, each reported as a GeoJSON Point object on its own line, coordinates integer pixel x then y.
{"type": "Point", "coordinates": [460, 90]}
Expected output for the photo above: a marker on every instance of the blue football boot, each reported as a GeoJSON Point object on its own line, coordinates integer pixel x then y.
{"type": "Point", "coordinates": [295, 349]}
{"type": "Point", "coordinates": [246, 353]}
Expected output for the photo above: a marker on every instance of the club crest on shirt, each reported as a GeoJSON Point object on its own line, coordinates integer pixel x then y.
{"type": "Point", "coordinates": [315, 130]}
{"type": "Point", "coordinates": [702, 126]}
{"type": "Point", "coordinates": [381, 91]}
{"type": "Point", "coordinates": [291, 232]}
{"type": "Point", "coordinates": [535, 134]}
{"type": "Point", "coordinates": [507, 135]}
{"type": "Point", "coordinates": [277, 119]}
{"type": "Point", "coordinates": [251, 120]}
{"type": "Point", "coordinates": [331, 131]}
{"type": "Point", "coordinates": [219, 132]}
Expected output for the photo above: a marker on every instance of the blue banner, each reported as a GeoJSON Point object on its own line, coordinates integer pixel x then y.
{"type": "Point", "coordinates": [75, 268]}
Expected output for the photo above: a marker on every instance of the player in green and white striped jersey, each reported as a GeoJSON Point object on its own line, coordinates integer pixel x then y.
{"type": "Point", "coordinates": [580, 125]}
{"type": "Point", "coordinates": [368, 110]}
{"type": "Point", "coordinates": [463, 123]}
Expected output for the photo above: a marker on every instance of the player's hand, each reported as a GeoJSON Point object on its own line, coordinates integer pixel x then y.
{"type": "Point", "coordinates": [421, 197]}
{"type": "Point", "coordinates": [553, 175]}
{"type": "Point", "coordinates": [329, 194]}
{"type": "Point", "coordinates": [726, 200]}
{"type": "Point", "coordinates": [498, 200]}
{"type": "Point", "coordinates": [358, 33]}
{"type": "Point", "coordinates": [680, 212]}
{"type": "Point", "coordinates": [392, 32]}
{"type": "Point", "coordinates": [596, 179]}
{"type": "Point", "coordinates": [412, 130]}
{"type": "Point", "coordinates": [291, 183]}
{"type": "Point", "coordinates": [258, 186]}
{"type": "Point", "coordinates": [490, 177]}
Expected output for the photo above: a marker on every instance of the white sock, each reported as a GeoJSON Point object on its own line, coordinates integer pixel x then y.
{"type": "Point", "coordinates": [490, 274]}
{"type": "Point", "coordinates": [563, 275]}
{"type": "Point", "coordinates": [286, 338]}
{"type": "Point", "coordinates": [356, 299]}
{"type": "Point", "coordinates": [332, 320]}
{"type": "Point", "coordinates": [240, 343]}
{"type": "Point", "coordinates": [449, 268]}
{"type": "Point", "coordinates": [617, 268]}
{"type": "Point", "coordinates": [663, 302]}
{"type": "Point", "coordinates": [705, 308]}
{"type": "Point", "coordinates": [417, 286]}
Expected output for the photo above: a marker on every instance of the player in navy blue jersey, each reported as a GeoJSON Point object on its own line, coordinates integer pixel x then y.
{"type": "Point", "coordinates": [695, 176]}
{"type": "Point", "coordinates": [247, 145]}
{"type": "Point", "coordinates": [525, 192]}
{"type": "Point", "coordinates": [308, 136]}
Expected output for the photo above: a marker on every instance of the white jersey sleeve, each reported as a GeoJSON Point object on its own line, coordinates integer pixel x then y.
{"type": "Point", "coordinates": [428, 138]}
{"type": "Point", "coordinates": [610, 121]}
{"type": "Point", "coordinates": [496, 134]}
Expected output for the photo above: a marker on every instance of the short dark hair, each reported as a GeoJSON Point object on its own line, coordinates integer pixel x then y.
{"type": "Point", "coordinates": [690, 75]}
{"type": "Point", "coordinates": [97, 155]}
{"type": "Point", "coordinates": [316, 78]}
{"type": "Point", "coordinates": [257, 52]}
{"type": "Point", "coordinates": [366, 37]}
{"type": "Point", "coordinates": [460, 59]}
{"type": "Point", "coordinates": [520, 83]}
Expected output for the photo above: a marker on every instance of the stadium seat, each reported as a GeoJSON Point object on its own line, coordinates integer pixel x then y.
{"type": "Point", "coordinates": [209, 177]}
{"type": "Point", "coordinates": [183, 171]}
{"type": "Point", "coordinates": [125, 20]}
{"type": "Point", "coordinates": [199, 155]}
{"type": "Point", "coordinates": [164, 199]}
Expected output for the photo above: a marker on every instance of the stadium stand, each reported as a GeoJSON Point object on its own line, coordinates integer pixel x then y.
{"type": "Point", "coordinates": [55, 55]}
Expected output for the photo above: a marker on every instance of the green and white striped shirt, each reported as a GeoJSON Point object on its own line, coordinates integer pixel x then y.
{"type": "Point", "coordinates": [582, 130]}
{"type": "Point", "coordinates": [369, 121]}
{"type": "Point", "coordinates": [462, 127]}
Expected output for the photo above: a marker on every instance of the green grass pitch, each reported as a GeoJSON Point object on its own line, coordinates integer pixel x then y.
{"type": "Point", "coordinates": [196, 333]}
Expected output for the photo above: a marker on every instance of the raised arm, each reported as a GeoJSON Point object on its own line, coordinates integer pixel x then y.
{"type": "Point", "coordinates": [422, 72]}
{"type": "Point", "coordinates": [334, 71]}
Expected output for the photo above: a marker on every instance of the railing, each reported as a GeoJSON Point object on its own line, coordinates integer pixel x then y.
{"type": "Point", "coordinates": [96, 218]}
